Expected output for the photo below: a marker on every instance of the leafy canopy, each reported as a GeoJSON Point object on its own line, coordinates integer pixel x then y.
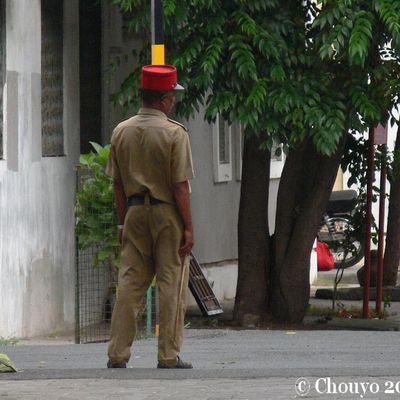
{"type": "Point", "coordinates": [361, 38]}
{"type": "Point", "coordinates": [285, 70]}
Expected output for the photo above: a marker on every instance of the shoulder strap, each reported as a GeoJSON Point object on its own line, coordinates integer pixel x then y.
{"type": "Point", "coordinates": [178, 123]}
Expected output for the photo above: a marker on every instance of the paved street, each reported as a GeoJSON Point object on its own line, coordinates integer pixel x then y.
{"type": "Point", "coordinates": [229, 364]}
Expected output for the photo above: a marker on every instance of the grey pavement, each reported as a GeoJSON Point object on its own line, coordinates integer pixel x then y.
{"type": "Point", "coordinates": [229, 364]}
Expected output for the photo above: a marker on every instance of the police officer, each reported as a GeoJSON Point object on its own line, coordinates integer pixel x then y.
{"type": "Point", "coordinates": [151, 165]}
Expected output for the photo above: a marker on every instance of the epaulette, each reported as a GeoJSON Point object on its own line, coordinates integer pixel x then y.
{"type": "Point", "coordinates": [178, 123]}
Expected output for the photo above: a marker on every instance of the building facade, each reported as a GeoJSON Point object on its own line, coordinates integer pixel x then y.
{"type": "Point", "coordinates": [40, 146]}
{"type": "Point", "coordinates": [55, 89]}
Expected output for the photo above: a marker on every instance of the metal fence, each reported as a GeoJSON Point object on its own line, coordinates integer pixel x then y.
{"type": "Point", "coordinates": [96, 278]}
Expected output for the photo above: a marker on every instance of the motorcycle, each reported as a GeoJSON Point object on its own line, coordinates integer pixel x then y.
{"type": "Point", "coordinates": [338, 231]}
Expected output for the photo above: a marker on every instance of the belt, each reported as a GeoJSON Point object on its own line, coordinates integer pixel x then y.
{"type": "Point", "coordinates": [139, 200]}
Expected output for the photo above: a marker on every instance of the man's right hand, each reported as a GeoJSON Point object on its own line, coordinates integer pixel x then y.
{"type": "Point", "coordinates": [120, 200]}
{"type": "Point", "coordinates": [188, 243]}
{"type": "Point", "coordinates": [182, 198]}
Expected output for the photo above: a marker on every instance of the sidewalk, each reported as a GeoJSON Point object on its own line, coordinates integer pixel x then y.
{"type": "Point", "coordinates": [349, 281]}
{"type": "Point", "coordinates": [325, 281]}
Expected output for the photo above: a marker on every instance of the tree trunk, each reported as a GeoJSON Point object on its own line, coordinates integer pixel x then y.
{"type": "Point", "coordinates": [392, 250]}
{"type": "Point", "coordinates": [304, 190]}
{"type": "Point", "coordinates": [253, 235]}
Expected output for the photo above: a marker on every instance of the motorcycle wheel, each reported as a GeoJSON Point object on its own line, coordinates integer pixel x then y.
{"type": "Point", "coordinates": [337, 242]}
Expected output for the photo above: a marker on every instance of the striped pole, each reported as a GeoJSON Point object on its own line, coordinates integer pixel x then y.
{"type": "Point", "coordinates": [368, 221]}
{"type": "Point", "coordinates": [157, 33]}
{"type": "Point", "coordinates": [157, 58]}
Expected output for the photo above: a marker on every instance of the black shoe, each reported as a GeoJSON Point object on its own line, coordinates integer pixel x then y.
{"type": "Point", "coordinates": [110, 364]}
{"type": "Point", "coordinates": [179, 365]}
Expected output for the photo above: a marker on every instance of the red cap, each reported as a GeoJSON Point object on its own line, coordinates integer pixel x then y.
{"type": "Point", "coordinates": [160, 77]}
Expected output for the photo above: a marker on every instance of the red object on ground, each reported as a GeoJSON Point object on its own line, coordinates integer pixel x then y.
{"type": "Point", "coordinates": [325, 259]}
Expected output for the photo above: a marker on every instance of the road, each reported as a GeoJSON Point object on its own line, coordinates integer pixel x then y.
{"type": "Point", "coordinates": [229, 364]}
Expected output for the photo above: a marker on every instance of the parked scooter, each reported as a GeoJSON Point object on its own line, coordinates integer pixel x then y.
{"type": "Point", "coordinates": [338, 232]}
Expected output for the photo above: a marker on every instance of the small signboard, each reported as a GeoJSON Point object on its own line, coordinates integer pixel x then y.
{"type": "Point", "coordinates": [381, 134]}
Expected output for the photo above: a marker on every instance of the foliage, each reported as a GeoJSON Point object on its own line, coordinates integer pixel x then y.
{"type": "Point", "coordinates": [393, 161]}
{"type": "Point", "coordinates": [255, 63]}
{"type": "Point", "coordinates": [355, 161]}
{"type": "Point", "coordinates": [95, 213]}
{"type": "Point", "coordinates": [12, 341]}
{"type": "Point", "coordinates": [362, 38]}
{"type": "Point", "coordinates": [343, 311]}
{"type": "Point", "coordinates": [387, 301]}
{"type": "Point", "coordinates": [249, 61]}
{"type": "Point", "coordinates": [350, 236]}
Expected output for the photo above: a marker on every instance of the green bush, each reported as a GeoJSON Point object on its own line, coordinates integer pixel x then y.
{"type": "Point", "coordinates": [96, 219]}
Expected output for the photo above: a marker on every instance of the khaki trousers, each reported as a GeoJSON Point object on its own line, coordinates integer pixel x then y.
{"type": "Point", "coordinates": [151, 239]}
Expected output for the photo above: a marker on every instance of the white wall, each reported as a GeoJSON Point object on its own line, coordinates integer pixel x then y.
{"type": "Point", "coordinates": [37, 194]}
{"type": "Point", "coordinates": [215, 206]}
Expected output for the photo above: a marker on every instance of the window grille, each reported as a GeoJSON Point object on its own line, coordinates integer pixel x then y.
{"type": "Point", "coordinates": [52, 78]}
{"type": "Point", "coordinates": [222, 150]}
{"type": "Point", "coordinates": [224, 142]}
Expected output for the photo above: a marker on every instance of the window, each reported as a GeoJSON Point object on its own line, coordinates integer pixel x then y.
{"type": "Point", "coordinates": [222, 150]}
{"type": "Point", "coordinates": [224, 139]}
{"type": "Point", "coordinates": [52, 78]}
{"type": "Point", "coordinates": [2, 67]}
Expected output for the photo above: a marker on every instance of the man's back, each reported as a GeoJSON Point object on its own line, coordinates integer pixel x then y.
{"type": "Point", "coordinates": [153, 153]}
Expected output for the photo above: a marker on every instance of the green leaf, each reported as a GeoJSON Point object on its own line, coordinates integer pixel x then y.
{"type": "Point", "coordinates": [97, 147]}
{"type": "Point", "coordinates": [277, 73]}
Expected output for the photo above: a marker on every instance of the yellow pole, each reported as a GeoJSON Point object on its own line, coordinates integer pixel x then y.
{"type": "Point", "coordinates": [157, 33]}
{"type": "Point", "coordinates": [157, 54]}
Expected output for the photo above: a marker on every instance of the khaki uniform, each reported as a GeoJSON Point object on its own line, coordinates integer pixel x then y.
{"type": "Point", "coordinates": [149, 153]}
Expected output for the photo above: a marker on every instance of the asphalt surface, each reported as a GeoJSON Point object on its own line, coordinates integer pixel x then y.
{"type": "Point", "coordinates": [229, 364]}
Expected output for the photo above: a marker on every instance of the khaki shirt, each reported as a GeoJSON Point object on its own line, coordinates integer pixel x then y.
{"type": "Point", "coordinates": [149, 153]}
